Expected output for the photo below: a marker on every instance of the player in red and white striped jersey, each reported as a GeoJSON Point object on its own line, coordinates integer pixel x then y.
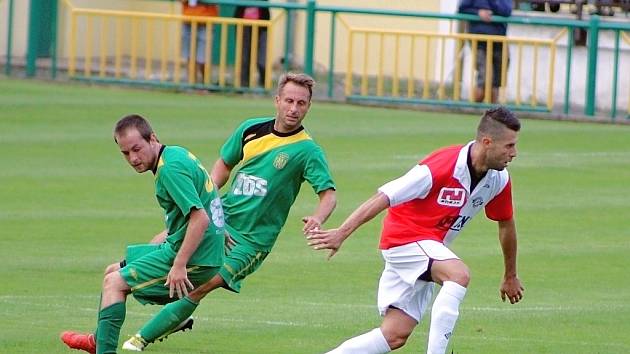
{"type": "Point", "coordinates": [427, 207]}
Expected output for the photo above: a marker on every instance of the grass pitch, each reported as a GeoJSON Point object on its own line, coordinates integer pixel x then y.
{"type": "Point", "coordinates": [69, 204]}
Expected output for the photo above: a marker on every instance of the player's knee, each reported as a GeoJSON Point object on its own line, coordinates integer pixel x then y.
{"type": "Point", "coordinates": [113, 282]}
{"type": "Point", "coordinates": [461, 276]}
{"type": "Point", "coordinates": [112, 268]}
{"type": "Point", "coordinates": [451, 270]}
{"type": "Point", "coordinates": [395, 339]}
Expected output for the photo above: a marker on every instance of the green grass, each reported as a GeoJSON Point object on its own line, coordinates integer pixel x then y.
{"type": "Point", "coordinates": [69, 204]}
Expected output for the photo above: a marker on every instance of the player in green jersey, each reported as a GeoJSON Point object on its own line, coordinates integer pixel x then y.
{"type": "Point", "coordinates": [270, 157]}
{"type": "Point", "coordinates": [187, 254]}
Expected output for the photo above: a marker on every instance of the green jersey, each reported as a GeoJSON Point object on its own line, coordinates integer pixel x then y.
{"type": "Point", "coordinates": [273, 166]}
{"type": "Point", "coordinates": [181, 184]}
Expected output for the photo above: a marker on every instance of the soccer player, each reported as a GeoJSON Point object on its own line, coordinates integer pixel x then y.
{"type": "Point", "coordinates": [427, 207]}
{"type": "Point", "coordinates": [185, 255]}
{"type": "Point", "coordinates": [275, 155]}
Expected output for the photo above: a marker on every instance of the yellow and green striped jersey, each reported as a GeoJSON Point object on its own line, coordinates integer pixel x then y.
{"type": "Point", "coordinates": [271, 169]}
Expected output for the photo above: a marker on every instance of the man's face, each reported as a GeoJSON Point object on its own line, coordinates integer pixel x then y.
{"type": "Point", "coordinates": [141, 154]}
{"type": "Point", "coordinates": [292, 104]}
{"type": "Point", "coordinates": [501, 150]}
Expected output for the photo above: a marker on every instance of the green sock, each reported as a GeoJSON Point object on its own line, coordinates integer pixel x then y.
{"type": "Point", "coordinates": [167, 319]}
{"type": "Point", "coordinates": [110, 319]}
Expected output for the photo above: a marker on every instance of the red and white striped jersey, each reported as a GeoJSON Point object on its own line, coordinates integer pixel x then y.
{"type": "Point", "coordinates": [433, 201]}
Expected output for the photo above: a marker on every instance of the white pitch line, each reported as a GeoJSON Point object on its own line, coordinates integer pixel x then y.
{"type": "Point", "coordinates": [149, 315]}
{"type": "Point", "coordinates": [486, 338]}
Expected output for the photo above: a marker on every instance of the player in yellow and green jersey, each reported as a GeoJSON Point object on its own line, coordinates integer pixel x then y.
{"type": "Point", "coordinates": [272, 157]}
{"type": "Point", "coordinates": [187, 254]}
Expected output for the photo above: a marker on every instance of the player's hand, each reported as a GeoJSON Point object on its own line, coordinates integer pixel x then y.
{"type": "Point", "coordinates": [311, 223]}
{"type": "Point", "coordinates": [512, 290]}
{"type": "Point", "coordinates": [177, 281]}
{"type": "Point", "coordinates": [485, 14]}
{"type": "Point", "coordinates": [326, 239]}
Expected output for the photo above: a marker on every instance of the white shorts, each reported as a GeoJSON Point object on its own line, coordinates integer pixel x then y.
{"type": "Point", "coordinates": [399, 286]}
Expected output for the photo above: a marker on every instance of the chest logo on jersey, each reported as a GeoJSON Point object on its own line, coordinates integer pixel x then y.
{"type": "Point", "coordinates": [452, 197]}
{"type": "Point", "coordinates": [281, 160]}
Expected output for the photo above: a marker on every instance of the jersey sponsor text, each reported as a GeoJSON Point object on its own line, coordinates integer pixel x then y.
{"type": "Point", "coordinates": [249, 185]}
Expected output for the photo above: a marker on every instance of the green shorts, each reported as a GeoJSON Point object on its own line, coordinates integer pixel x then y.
{"type": "Point", "coordinates": [147, 267]}
{"type": "Point", "coordinates": [240, 261]}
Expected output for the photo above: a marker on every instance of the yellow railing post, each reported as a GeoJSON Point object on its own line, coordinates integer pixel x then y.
{"type": "Point", "coordinates": [163, 52]}
{"type": "Point", "coordinates": [207, 71]}
{"type": "Point", "coordinates": [473, 65]}
{"type": "Point", "coordinates": [427, 59]}
{"type": "Point", "coordinates": [118, 55]}
{"type": "Point", "coordinates": [134, 48]}
{"type": "Point", "coordinates": [87, 63]}
{"type": "Point", "coordinates": [411, 79]}
{"type": "Point", "coordinates": [395, 81]}
{"type": "Point", "coordinates": [223, 56]}
{"type": "Point", "coordinates": [364, 75]}
{"type": "Point", "coordinates": [552, 57]}
{"type": "Point", "coordinates": [269, 57]}
{"type": "Point", "coordinates": [102, 52]}
{"type": "Point", "coordinates": [487, 88]}
{"type": "Point", "coordinates": [253, 58]}
{"type": "Point", "coordinates": [518, 73]}
{"type": "Point", "coordinates": [534, 100]}
{"type": "Point", "coordinates": [457, 78]}
{"type": "Point", "coordinates": [349, 64]}
{"type": "Point", "coordinates": [178, 50]}
{"type": "Point", "coordinates": [238, 57]}
{"type": "Point", "coordinates": [73, 43]}
{"type": "Point", "coordinates": [504, 64]}
{"type": "Point", "coordinates": [192, 53]}
{"type": "Point", "coordinates": [381, 63]}
{"type": "Point", "coordinates": [441, 93]}
{"type": "Point", "coordinates": [148, 56]}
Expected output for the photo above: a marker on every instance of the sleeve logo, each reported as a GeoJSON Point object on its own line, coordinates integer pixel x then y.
{"type": "Point", "coordinates": [452, 197]}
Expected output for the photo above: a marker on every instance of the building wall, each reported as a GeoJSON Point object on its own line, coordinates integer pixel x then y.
{"type": "Point", "coordinates": [20, 26]}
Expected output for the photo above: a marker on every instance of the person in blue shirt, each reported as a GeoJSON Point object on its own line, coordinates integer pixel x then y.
{"type": "Point", "coordinates": [485, 9]}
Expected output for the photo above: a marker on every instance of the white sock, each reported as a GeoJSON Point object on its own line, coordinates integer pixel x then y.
{"type": "Point", "coordinates": [444, 314]}
{"type": "Point", "coordinates": [372, 342]}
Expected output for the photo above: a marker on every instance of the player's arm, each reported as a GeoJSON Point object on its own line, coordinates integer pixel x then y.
{"type": "Point", "coordinates": [220, 173]}
{"type": "Point", "coordinates": [325, 207]}
{"type": "Point", "coordinates": [511, 287]}
{"type": "Point", "coordinates": [333, 238]}
{"type": "Point", "coordinates": [177, 279]}
{"type": "Point", "coordinates": [416, 183]}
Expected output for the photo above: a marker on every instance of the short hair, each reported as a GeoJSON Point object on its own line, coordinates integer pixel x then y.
{"type": "Point", "coordinates": [303, 80]}
{"type": "Point", "coordinates": [494, 120]}
{"type": "Point", "coordinates": [133, 121]}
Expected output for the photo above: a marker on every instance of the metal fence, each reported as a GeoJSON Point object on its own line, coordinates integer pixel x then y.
{"type": "Point", "coordinates": [546, 73]}
{"type": "Point", "coordinates": [128, 46]}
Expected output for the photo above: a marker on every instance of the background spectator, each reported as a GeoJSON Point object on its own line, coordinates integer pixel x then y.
{"type": "Point", "coordinates": [485, 9]}
{"type": "Point", "coordinates": [253, 13]}
{"type": "Point", "coordinates": [196, 8]}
